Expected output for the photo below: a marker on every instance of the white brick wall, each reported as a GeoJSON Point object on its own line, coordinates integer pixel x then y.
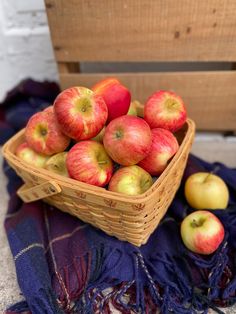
{"type": "Point", "coordinates": [25, 46]}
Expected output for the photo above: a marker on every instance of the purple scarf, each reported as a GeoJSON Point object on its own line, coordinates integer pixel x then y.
{"type": "Point", "coordinates": [65, 266]}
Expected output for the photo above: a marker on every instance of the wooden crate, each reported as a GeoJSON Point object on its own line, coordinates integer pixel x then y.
{"type": "Point", "coordinates": [153, 30]}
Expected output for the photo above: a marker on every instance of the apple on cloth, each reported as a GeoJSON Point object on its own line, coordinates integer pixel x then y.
{"type": "Point", "coordinates": [205, 190]}
{"type": "Point", "coordinates": [202, 232]}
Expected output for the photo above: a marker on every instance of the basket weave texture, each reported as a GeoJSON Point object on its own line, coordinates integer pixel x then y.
{"type": "Point", "coordinates": [129, 218]}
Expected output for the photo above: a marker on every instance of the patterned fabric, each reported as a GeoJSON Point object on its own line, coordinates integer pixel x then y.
{"type": "Point", "coordinates": [66, 266]}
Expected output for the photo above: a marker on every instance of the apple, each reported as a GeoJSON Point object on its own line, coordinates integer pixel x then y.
{"type": "Point", "coordinates": [27, 154]}
{"type": "Point", "coordinates": [116, 96]}
{"type": "Point", "coordinates": [57, 164]}
{"type": "Point", "coordinates": [165, 110]}
{"type": "Point", "coordinates": [44, 135]}
{"type": "Point", "coordinates": [87, 161]}
{"type": "Point", "coordinates": [202, 232]}
{"type": "Point", "coordinates": [163, 148]}
{"type": "Point", "coordinates": [204, 190]}
{"type": "Point", "coordinates": [99, 137]}
{"type": "Point", "coordinates": [131, 180]}
{"type": "Point", "coordinates": [80, 112]}
{"type": "Point", "coordinates": [127, 140]}
{"type": "Point", "coordinates": [133, 108]}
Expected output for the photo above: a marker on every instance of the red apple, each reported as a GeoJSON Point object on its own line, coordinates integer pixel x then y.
{"type": "Point", "coordinates": [202, 232]}
{"type": "Point", "coordinates": [127, 140]}
{"type": "Point", "coordinates": [131, 180]}
{"type": "Point", "coordinates": [44, 135]}
{"type": "Point", "coordinates": [165, 110]}
{"type": "Point", "coordinates": [80, 112]}
{"type": "Point", "coordinates": [27, 154]}
{"type": "Point", "coordinates": [87, 161]}
{"type": "Point", "coordinates": [163, 148]}
{"type": "Point", "coordinates": [116, 96]}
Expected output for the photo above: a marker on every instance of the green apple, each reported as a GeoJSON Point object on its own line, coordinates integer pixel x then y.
{"type": "Point", "coordinates": [57, 164]}
{"type": "Point", "coordinates": [204, 190]}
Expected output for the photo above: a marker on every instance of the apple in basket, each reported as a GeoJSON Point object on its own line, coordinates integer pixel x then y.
{"type": "Point", "coordinates": [133, 108]}
{"type": "Point", "coordinates": [131, 180]}
{"type": "Point", "coordinates": [27, 154]}
{"type": "Point", "coordinates": [116, 96]}
{"type": "Point", "coordinates": [57, 164]}
{"type": "Point", "coordinates": [127, 139]}
{"type": "Point", "coordinates": [80, 112]}
{"type": "Point", "coordinates": [87, 161]}
{"type": "Point", "coordinates": [202, 232]}
{"type": "Point", "coordinates": [204, 190]}
{"type": "Point", "coordinates": [44, 135]}
{"type": "Point", "coordinates": [165, 110]}
{"type": "Point", "coordinates": [163, 148]}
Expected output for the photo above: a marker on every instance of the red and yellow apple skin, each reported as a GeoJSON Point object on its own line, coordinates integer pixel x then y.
{"type": "Point", "coordinates": [87, 161]}
{"type": "Point", "coordinates": [44, 135]}
{"type": "Point", "coordinates": [131, 180]}
{"type": "Point", "coordinates": [202, 232]}
{"type": "Point", "coordinates": [116, 96]}
{"type": "Point", "coordinates": [127, 140]}
{"type": "Point", "coordinates": [80, 112]}
{"type": "Point", "coordinates": [163, 148]}
{"type": "Point", "coordinates": [27, 154]}
{"type": "Point", "coordinates": [205, 190]}
{"type": "Point", "coordinates": [165, 110]}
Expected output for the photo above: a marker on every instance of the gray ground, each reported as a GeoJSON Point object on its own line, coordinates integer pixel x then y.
{"type": "Point", "coordinates": [211, 149]}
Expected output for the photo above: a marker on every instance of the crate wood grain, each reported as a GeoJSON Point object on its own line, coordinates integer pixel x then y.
{"type": "Point", "coordinates": [144, 30]}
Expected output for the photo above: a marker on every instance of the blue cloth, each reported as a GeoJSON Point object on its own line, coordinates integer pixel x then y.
{"type": "Point", "coordinates": [64, 265]}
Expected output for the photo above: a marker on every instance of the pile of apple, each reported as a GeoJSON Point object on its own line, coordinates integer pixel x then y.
{"type": "Point", "coordinates": [95, 136]}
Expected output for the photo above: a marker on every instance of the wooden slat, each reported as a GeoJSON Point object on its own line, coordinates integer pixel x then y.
{"type": "Point", "coordinates": [209, 96]}
{"type": "Point", "coordinates": [143, 30]}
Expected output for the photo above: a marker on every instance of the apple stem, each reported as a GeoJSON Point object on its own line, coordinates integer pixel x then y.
{"type": "Point", "coordinates": [209, 174]}
{"type": "Point", "coordinates": [195, 223]}
{"type": "Point", "coordinates": [102, 162]}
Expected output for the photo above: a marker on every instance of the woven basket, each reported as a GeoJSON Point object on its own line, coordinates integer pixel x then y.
{"type": "Point", "coordinates": [129, 218]}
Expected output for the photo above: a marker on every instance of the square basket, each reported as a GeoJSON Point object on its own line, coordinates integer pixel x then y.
{"type": "Point", "coordinates": [129, 218]}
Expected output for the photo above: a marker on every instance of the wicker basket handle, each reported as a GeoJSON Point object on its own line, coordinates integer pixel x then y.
{"type": "Point", "coordinates": [32, 193]}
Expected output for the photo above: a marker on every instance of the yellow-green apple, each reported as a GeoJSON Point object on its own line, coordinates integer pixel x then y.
{"type": "Point", "coordinates": [127, 139]}
{"type": "Point", "coordinates": [165, 109]}
{"type": "Point", "coordinates": [44, 135]}
{"type": "Point", "coordinates": [133, 108]}
{"type": "Point", "coordinates": [131, 180]}
{"type": "Point", "coordinates": [80, 112]}
{"type": "Point", "coordinates": [27, 154]}
{"type": "Point", "coordinates": [57, 164]}
{"type": "Point", "coordinates": [116, 96]}
{"type": "Point", "coordinates": [87, 161]}
{"type": "Point", "coordinates": [99, 137]}
{"type": "Point", "coordinates": [163, 148]}
{"type": "Point", "coordinates": [202, 232]}
{"type": "Point", "coordinates": [204, 190]}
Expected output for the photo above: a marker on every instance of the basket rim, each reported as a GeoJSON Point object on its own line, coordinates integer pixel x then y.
{"type": "Point", "coordinates": [87, 188]}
